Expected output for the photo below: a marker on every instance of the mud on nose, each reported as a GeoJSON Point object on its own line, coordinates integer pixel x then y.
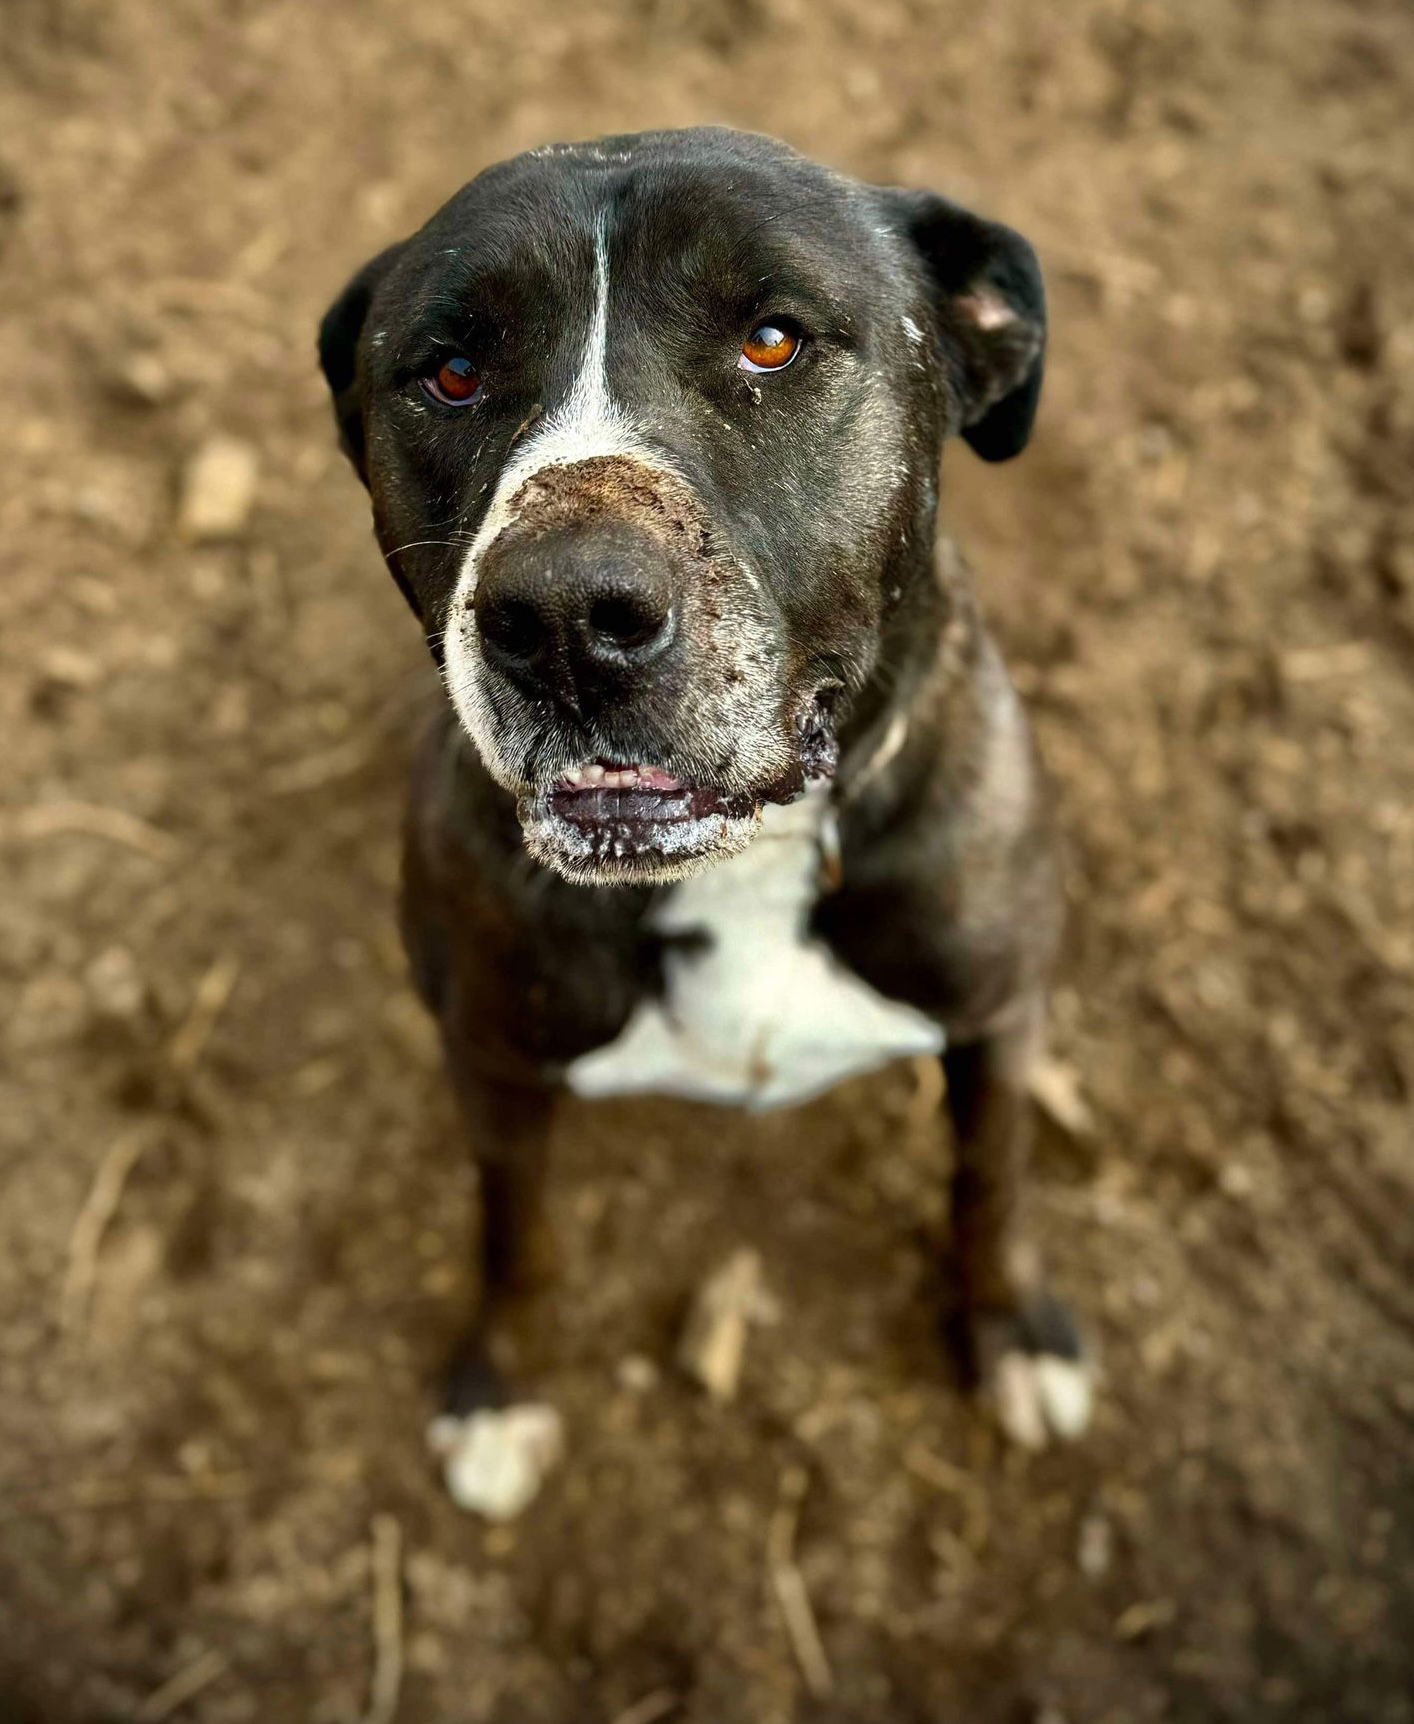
{"type": "Point", "coordinates": [566, 611]}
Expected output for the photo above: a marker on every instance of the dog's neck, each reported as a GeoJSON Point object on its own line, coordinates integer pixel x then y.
{"type": "Point", "coordinates": [928, 639]}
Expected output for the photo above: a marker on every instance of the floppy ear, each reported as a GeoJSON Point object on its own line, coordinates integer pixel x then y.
{"type": "Point", "coordinates": [338, 352]}
{"type": "Point", "coordinates": [991, 311]}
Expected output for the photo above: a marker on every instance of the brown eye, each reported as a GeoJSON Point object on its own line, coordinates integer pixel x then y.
{"type": "Point", "coordinates": [454, 385]}
{"type": "Point", "coordinates": [769, 348]}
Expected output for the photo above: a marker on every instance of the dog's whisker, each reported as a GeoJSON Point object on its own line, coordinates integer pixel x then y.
{"type": "Point", "coordinates": [420, 544]}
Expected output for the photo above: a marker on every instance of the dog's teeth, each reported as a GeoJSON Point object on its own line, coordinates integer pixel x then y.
{"type": "Point", "coordinates": [595, 776]}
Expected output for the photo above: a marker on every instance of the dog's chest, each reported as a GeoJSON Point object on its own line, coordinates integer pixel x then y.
{"type": "Point", "coordinates": [755, 1011]}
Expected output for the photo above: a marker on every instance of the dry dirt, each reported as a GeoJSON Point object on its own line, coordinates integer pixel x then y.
{"type": "Point", "coordinates": [1204, 574]}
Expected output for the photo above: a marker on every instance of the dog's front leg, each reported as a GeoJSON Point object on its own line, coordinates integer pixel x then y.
{"type": "Point", "coordinates": [495, 1447]}
{"type": "Point", "coordinates": [509, 1126]}
{"type": "Point", "coordinates": [1020, 1343]}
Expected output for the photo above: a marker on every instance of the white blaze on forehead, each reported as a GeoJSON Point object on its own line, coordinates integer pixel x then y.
{"type": "Point", "coordinates": [589, 402]}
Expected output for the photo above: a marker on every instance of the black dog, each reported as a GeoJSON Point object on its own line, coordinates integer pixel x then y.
{"type": "Point", "coordinates": [732, 796]}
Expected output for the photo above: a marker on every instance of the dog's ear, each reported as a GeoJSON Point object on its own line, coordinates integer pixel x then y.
{"type": "Point", "coordinates": [991, 312]}
{"type": "Point", "coordinates": [339, 334]}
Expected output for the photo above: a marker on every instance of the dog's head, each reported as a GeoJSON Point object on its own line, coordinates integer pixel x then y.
{"type": "Point", "coordinates": [651, 428]}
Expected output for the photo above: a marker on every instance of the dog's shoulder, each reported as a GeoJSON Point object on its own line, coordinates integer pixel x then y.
{"type": "Point", "coordinates": [950, 892]}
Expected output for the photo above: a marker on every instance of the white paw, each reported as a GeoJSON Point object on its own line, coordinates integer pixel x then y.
{"type": "Point", "coordinates": [1042, 1396]}
{"type": "Point", "coordinates": [495, 1460]}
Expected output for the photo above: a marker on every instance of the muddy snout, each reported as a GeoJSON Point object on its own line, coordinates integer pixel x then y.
{"type": "Point", "coordinates": [588, 594]}
{"type": "Point", "coordinates": [630, 673]}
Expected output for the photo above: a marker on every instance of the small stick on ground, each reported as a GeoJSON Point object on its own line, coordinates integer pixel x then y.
{"type": "Point", "coordinates": [184, 1686]}
{"type": "Point", "coordinates": [387, 1621]}
{"type": "Point", "coordinates": [297, 777]}
{"type": "Point", "coordinates": [1055, 1088]}
{"type": "Point", "coordinates": [929, 1092]}
{"type": "Point", "coordinates": [209, 1001]}
{"type": "Point", "coordinates": [789, 1586]}
{"type": "Point", "coordinates": [53, 819]}
{"type": "Point", "coordinates": [944, 1476]}
{"type": "Point", "coordinates": [713, 1344]}
{"type": "Point", "coordinates": [650, 1708]}
{"type": "Point", "coordinates": [91, 1224]}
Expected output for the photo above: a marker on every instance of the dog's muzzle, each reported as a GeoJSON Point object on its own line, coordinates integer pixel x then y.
{"type": "Point", "coordinates": [631, 678]}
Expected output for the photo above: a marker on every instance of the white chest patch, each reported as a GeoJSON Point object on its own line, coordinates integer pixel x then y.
{"type": "Point", "coordinates": [762, 1014]}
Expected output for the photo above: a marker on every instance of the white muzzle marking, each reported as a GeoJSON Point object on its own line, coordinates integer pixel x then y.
{"type": "Point", "coordinates": [586, 425]}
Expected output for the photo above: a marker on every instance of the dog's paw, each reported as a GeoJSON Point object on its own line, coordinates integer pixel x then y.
{"type": "Point", "coordinates": [495, 1452]}
{"type": "Point", "coordinates": [1033, 1368]}
{"type": "Point", "coordinates": [1041, 1397]}
{"type": "Point", "coordinates": [495, 1459]}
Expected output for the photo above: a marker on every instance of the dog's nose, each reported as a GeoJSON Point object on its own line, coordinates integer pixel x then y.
{"type": "Point", "coordinates": [575, 613]}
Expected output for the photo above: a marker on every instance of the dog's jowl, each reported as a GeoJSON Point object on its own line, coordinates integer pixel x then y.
{"type": "Point", "coordinates": [730, 795]}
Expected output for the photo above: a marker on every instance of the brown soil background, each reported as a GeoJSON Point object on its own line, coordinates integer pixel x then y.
{"type": "Point", "coordinates": [1203, 572]}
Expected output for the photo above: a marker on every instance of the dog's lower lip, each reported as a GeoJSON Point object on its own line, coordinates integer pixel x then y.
{"type": "Point", "coordinates": [636, 811]}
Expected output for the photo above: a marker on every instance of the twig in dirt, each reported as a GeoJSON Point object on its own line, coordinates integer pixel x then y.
{"type": "Point", "coordinates": [943, 1476]}
{"type": "Point", "coordinates": [1055, 1088]}
{"type": "Point", "coordinates": [650, 1708]}
{"type": "Point", "coordinates": [91, 1224]}
{"type": "Point", "coordinates": [1139, 1619]}
{"type": "Point", "coordinates": [387, 1621]}
{"type": "Point", "coordinates": [713, 1343]}
{"type": "Point", "coordinates": [1311, 664]}
{"type": "Point", "coordinates": [315, 770]}
{"type": "Point", "coordinates": [926, 1101]}
{"type": "Point", "coordinates": [209, 1001]}
{"type": "Point", "coordinates": [184, 1686]}
{"type": "Point", "coordinates": [54, 819]}
{"type": "Point", "coordinates": [789, 1586]}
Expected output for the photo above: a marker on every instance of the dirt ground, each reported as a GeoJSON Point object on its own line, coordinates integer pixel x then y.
{"type": "Point", "coordinates": [1204, 574]}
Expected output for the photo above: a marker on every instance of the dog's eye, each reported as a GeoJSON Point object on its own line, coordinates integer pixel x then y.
{"type": "Point", "coordinates": [455, 384]}
{"type": "Point", "coordinates": [771, 347]}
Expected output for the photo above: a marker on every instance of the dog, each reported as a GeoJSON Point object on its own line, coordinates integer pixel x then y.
{"type": "Point", "coordinates": [730, 795]}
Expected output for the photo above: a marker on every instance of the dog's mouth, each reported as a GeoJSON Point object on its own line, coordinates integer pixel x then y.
{"type": "Point", "coordinates": [627, 820]}
{"type": "Point", "coordinates": [631, 820]}
{"type": "Point", "coordinates": [634, 799]}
